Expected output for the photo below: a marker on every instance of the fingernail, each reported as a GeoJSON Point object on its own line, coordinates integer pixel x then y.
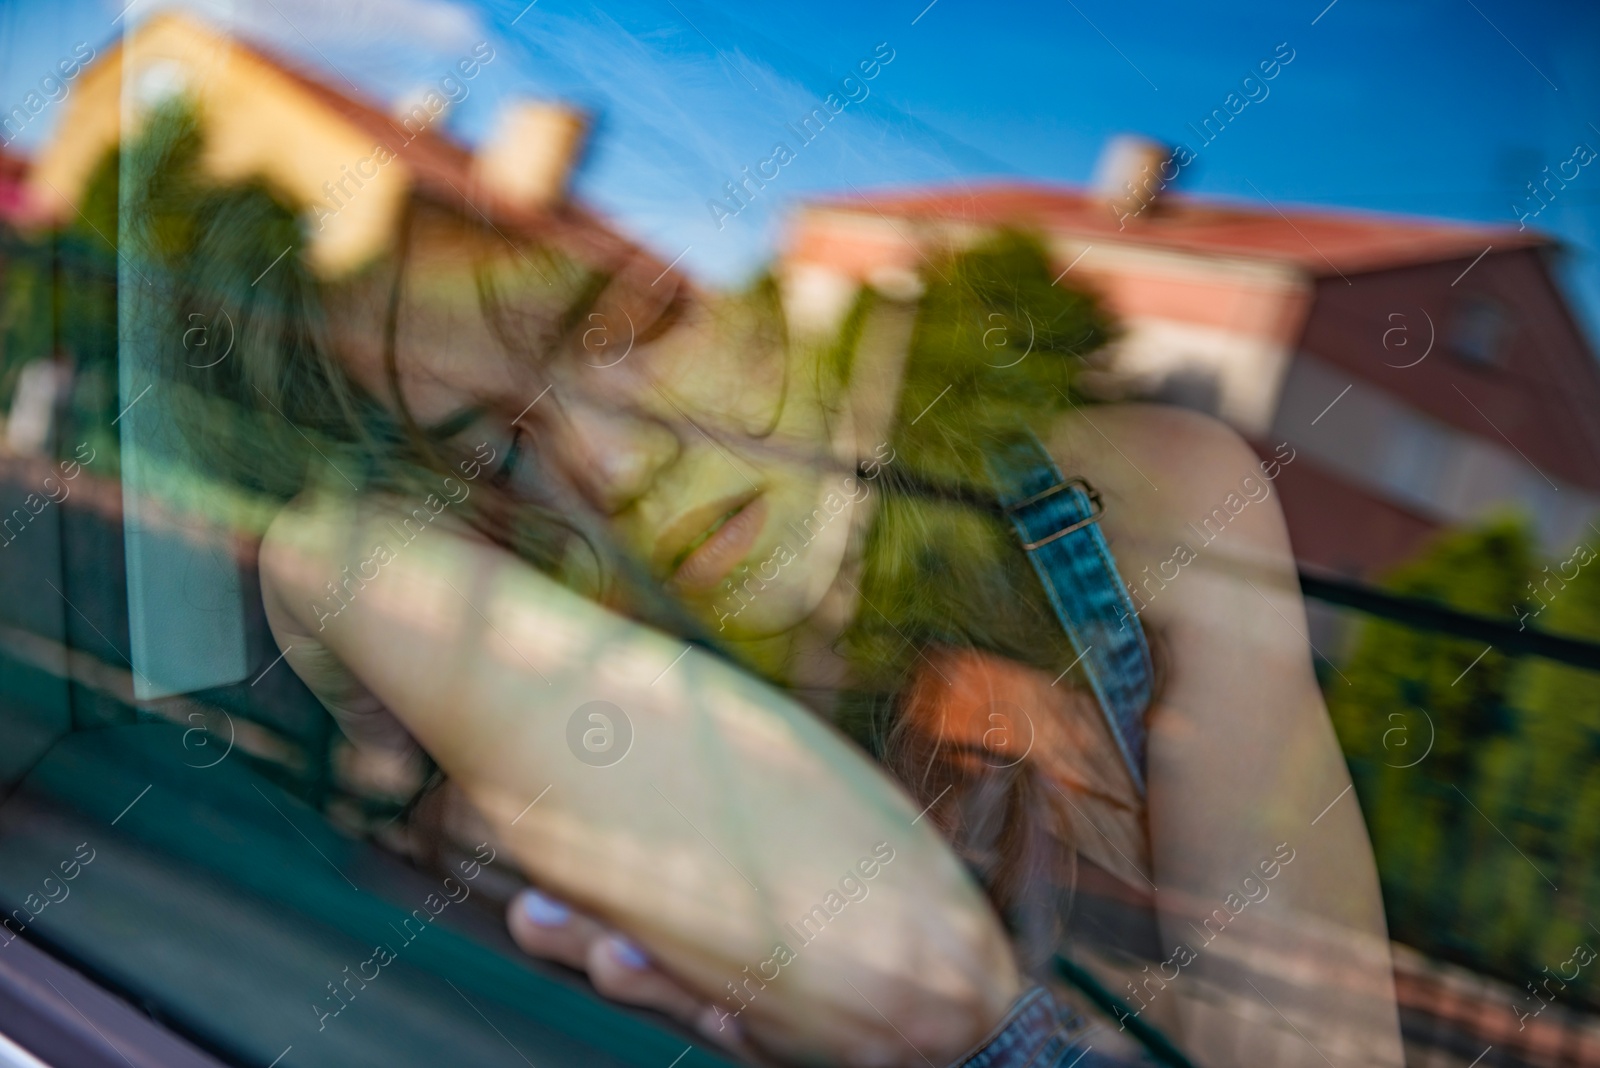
{"type": "Point", "coordinates": [627, 954]}
{"type": "Point", "coordinates": [719, 1025]}
{"type": "Point", "coordinates": [544, 911]}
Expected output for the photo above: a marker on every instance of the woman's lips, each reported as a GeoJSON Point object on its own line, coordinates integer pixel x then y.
{"type": "Point", "coordinates": [719, 554]}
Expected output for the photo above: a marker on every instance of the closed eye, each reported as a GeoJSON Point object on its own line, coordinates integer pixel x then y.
{"type": "Point", "coordinates": [502, 474]}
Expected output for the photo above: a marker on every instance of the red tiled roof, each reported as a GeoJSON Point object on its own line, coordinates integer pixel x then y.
{"type": "Point", "coordinates": [443, 172]}
{"type": "Point", "coordinates": [1323, 241]}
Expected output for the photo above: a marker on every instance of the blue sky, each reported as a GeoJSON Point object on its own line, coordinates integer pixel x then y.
{"type": "Point", "coordinates": [1445, 107]}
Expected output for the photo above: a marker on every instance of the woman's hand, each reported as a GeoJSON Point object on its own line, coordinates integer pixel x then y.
{"type": "Point", "coordinates": [550, 929]}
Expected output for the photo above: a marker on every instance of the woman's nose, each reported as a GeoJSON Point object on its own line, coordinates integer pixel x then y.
{"type": "Point", "coordinates": [617, 455]}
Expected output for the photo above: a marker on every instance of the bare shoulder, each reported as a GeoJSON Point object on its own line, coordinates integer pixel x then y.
{"type": "Point", "coordinates": [1159, 433]}
{"type": "Point", "coordinates": [1176, 483]}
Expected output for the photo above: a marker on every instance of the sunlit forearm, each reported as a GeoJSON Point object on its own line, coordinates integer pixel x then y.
{"type": "Point", "coordinates": [730, 816]}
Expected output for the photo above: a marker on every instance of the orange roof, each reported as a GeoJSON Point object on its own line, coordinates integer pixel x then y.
{"type": "Point", "coordinates": [441, 168]}
{"type": "Point", "coordinates": [1322, 241]}
{"type": "Point", "coordinates": [444, 175]}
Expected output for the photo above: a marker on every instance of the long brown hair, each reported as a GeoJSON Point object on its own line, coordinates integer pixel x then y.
{"type": "Point", "coordinates": [958, 623]}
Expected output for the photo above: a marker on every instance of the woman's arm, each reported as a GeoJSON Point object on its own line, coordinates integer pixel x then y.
{"type": "Point", "coordinates": [1244, 768]}
{"type": "Point", "coordinates": [757, 856]}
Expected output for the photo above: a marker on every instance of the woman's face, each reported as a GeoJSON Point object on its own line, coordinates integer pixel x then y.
{"type": "Point", "coordinates": [713, 458]}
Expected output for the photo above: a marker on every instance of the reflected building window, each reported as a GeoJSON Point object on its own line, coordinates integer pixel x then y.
{"type": "Point", "coordinates": [1196, 388]}
{"type": "Point", "coordinates": [1480, 332]}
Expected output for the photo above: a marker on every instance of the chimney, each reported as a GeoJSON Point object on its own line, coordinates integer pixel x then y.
{"type": "Point", "coordinates": [1131, 174]}
{"type": "Point", "coordinates": [529, 159]}
{"type": "Point", "coordinates": [421, 108]}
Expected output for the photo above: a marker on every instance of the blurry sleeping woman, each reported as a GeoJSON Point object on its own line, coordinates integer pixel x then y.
{"type": "Point", "coordinates": [856, 676]}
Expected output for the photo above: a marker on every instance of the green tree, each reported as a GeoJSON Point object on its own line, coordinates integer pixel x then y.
{"type": "Point", "coordinates": [58, 300]}
{"type": "Point", "coordinates": [1476, 771]}
{"type": "Point", "coordinates": [1554, 776]}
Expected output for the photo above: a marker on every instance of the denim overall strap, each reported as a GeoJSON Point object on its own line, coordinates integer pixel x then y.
{"type": "Point", "coordinates": [1056, 518]}
{"type": "Point", "coordinates": [1040, 1031]}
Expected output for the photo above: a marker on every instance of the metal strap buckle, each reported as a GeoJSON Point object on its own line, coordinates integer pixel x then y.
{"type": "Point", "coordinates": [1097, 508]}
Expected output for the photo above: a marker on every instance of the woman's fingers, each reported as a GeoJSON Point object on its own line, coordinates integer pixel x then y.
{"type": "Point", "coordinates": [548, 928]}
{"type": "Point", "coordinates": [545, 927]}
{"type": "Point", "coordinates": [623, 972]}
